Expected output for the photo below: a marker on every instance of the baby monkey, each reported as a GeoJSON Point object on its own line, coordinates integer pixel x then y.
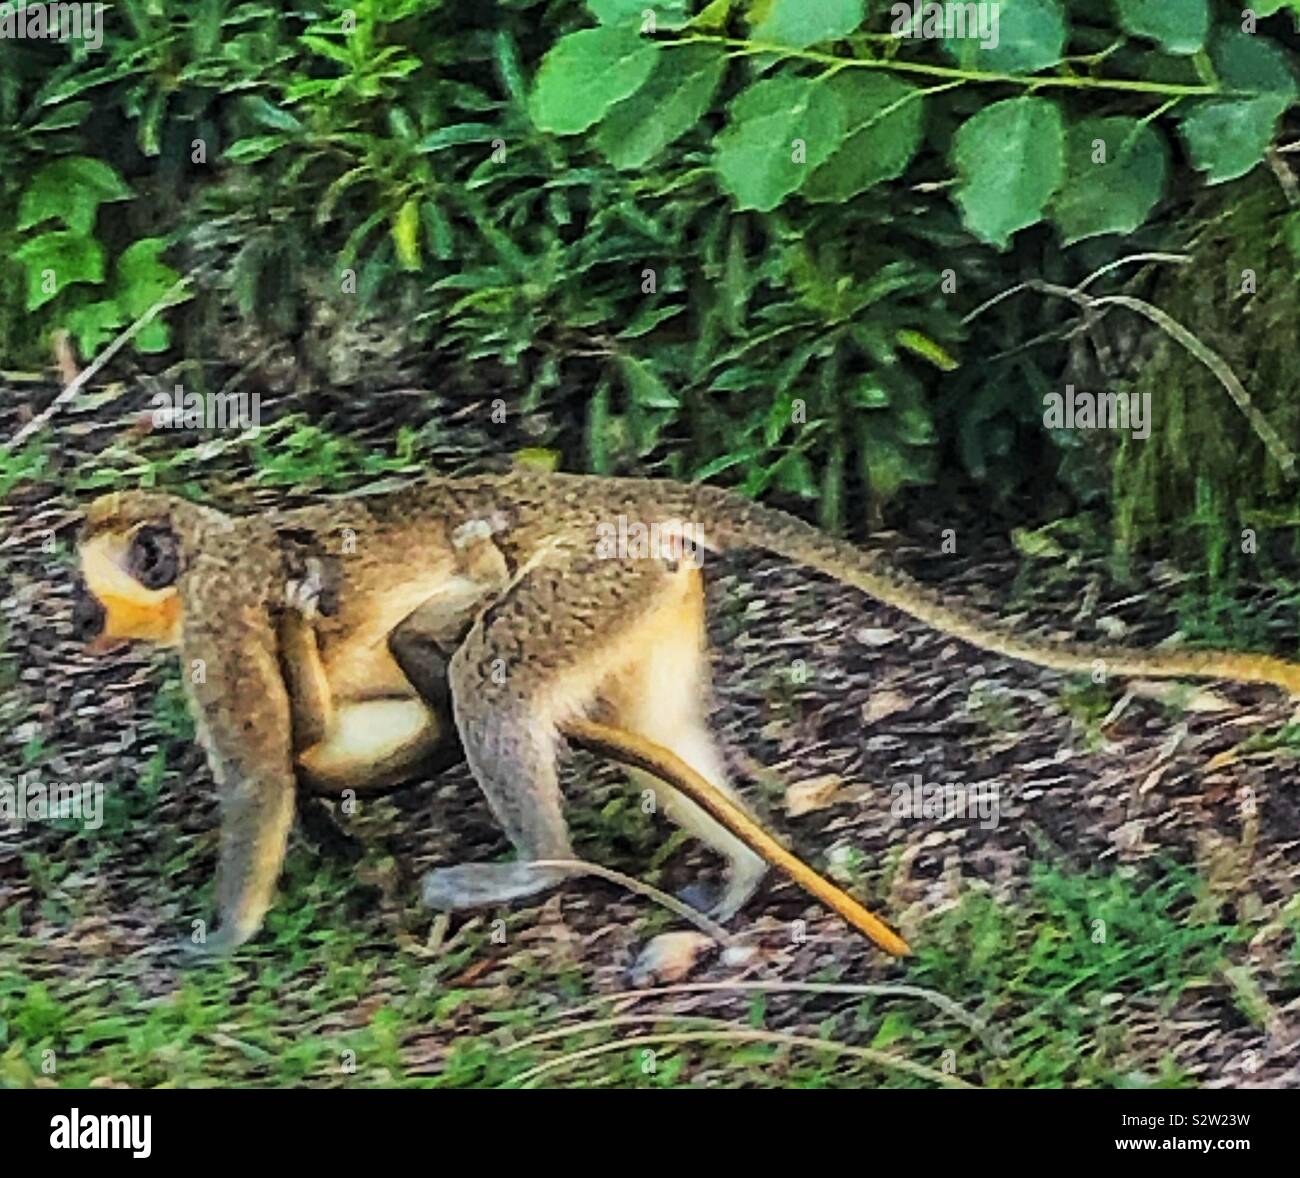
{"type": "Point", "coordinates": [375, 736]}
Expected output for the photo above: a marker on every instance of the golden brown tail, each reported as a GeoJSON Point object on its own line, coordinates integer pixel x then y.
{"type": "Point", "coordinates": [731, 522]}
{"type": "Point", "coordinates": [640, 753]}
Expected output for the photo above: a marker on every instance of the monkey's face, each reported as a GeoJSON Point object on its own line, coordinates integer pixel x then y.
{"type": "Point", "coordinates": [127, 588]}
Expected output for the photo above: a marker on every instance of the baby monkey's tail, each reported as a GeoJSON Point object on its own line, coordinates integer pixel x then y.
{"type": "Point", "coordinates": [730, 522]}
{"type": "Point", "coordinates": [639, 753]}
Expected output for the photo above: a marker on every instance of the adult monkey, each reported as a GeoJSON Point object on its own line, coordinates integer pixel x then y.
{"type": "Point", "coordinates": [317, 646]}
{"type": "Point", "coordinates": [576, 631]}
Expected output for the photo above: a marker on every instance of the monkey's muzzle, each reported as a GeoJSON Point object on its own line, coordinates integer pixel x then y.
{"type": "Point", "coordinates": [88, 615]}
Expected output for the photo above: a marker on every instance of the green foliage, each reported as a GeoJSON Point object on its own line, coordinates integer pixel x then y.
{"type": "Point", "coordinates": [1134, 161]}
{"type": "Point", "coordinates": [1203, 486]}
{"type": "Point", "coordinates": [1010, 158]}
{"type": "Point", "coordinates": [1177, 25]}
{"type": "Point", "coordinates": [731, 240]}
{"type": "Point", "coordinates": [587, 73]}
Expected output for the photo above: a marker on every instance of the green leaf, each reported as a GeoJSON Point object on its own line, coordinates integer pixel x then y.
{"type": "Point", "coordinates": [1010, 157]}
{"type": "Point", "coordinates": [277, 118]}
{"type": "Point", "coordinates": [779, 129]}
{"type": "Point", "coordinates": [1114, 175]}
{"type": "Point", "coordinates": [458, 134]}
{"type": "Point", "coordinates": [442, 238]}
{"type": "Point", "coordinates": [885, 464]}
{"type": "Point", "coordinates": [254, 148]}
{"type": "Point", "coordinates": [646, 389]}
{"type": "Point", "coordinates": [1291, 234]}
{"type": "Point", "coordinates": [153, 337]}
{"type": "Point", "coordinates": [406, 234]}
{"type": "Point", "coordinates": [800, 23]}
{"type": "Point", "coordinates": [1227, 138]}
{"type": "Point", "coordinates": [869, 393]}
{"type": "Point", "coordinates": [71, 114]}
{"type": "Point", "coordinates": [631, 14]}
{"type": "Point", "coordinates": [598, 430]}
{"type": "Point", "coordinates": [94, 324]}
{"type": "Point", "coordinates": [648, 318]}
{"type": "Point", "coordinates": [327, 49]}
{"type": "Point", "coordinates": [920, 344]}
{"type": "Point", "coordinates": [1178, 25]}
{"type": "Point", "coordinates": [142, 277]}
{"type": "Point", "coordinates": [69, 257]}
{"type": "Point", "coordinates": [586, 73]}
{"type": "Point", "coordinates": [1029, 36]}
{"type": "Point", "coordinates": [794, 473]}
{"type": "Point", "coordinates": [71, 190]}
{"type": "Point", "coordinates": [673, 100]}
{"type": "Point", "coordinates": [885, 121]}
{"type": "Point", "coordinates": [1245, 62]}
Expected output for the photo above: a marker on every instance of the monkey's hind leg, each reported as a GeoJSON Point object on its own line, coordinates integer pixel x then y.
{"type": "Point", "coordinates": [663, 695]}
{"type": "Point", "coordinates": [545, 653]}
{"type": "Point", "coordinates": [423, 646]}
{"type": "Point", "coordinates": [533, 660]}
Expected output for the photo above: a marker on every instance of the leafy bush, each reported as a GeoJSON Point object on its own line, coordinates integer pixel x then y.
{"type": "Point", "coordinates": [736, 239]}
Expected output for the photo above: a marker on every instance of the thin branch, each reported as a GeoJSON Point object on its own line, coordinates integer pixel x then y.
{"type": "Point", "coordinates": [870, 1055]}
{"type": "Point", "coordinates": [942, 1002]}
{"type": "Point", "coordinates": [740, 48]}
{"type": "Point", "coordinates": [1272, 440]}
{"type": "Point", "coordinates": [1175, 259]}
{"type": "Point", "coordinates": [685, 911]}
{"type": "Point", "coordinates": [103, 358]}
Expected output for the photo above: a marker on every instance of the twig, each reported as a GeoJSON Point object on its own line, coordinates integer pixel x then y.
{"type": "Point", "coordinates": [880, 1058]}
{"type": "Point", "coordinates": [1285, 177]}
{"type": "Point", "coordinates": [1273, 443]}
{"type": "Point", "coordinates": [1180, 259]}
{"type": "Point", "coordinates": [858, 990]}
{"type": "Point", "coordinates": [103, 358]}
{"type": "Point", "coordinates": [685, 911]}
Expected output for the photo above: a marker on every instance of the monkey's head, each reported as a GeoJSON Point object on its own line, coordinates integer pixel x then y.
{"type": "Point", "coordinates": [131, 556]}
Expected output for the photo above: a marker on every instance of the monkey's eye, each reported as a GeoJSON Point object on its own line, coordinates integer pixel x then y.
{"type": "Point", "coordinates": [152, 558]}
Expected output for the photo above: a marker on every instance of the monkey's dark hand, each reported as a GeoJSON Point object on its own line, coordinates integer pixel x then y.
{"type": "Point", "coordinates": [221, 943]}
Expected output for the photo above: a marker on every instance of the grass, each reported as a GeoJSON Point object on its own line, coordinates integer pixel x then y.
{"type": "Point", "coordinates": [322, 999]}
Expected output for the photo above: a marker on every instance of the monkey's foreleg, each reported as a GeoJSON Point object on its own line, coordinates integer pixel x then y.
{"type": "Point", "coordinates": [242, 713]}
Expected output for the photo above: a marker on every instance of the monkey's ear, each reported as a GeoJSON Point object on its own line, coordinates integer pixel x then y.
{"type": "Point", "coordinates": [153, 557]}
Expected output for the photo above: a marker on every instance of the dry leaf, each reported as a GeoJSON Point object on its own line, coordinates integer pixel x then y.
{"type": "Point", "coordinates": [814, 794]}
{"type": "Point", "coordinates": [873, 636]}
{"type": "Point", "coordinates": [884, 703]}
{"type": "Point", "coordinates": [1179, 695]}
{"type": "Point", "coordinates": [1112, 627]}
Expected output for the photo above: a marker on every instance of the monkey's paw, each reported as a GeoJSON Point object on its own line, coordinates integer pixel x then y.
{"type": "Point", "coordinates": [221, 943]}
{"type": "Point", "coordinates": [722, 903]}
{"type": "Point", "coordinates": [481, 885]}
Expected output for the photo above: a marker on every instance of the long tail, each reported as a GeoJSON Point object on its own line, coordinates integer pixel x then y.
{"type": "Point", "coordinates": [640, 753]}
{"type": "Point", "coordinates": [730, 522]}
